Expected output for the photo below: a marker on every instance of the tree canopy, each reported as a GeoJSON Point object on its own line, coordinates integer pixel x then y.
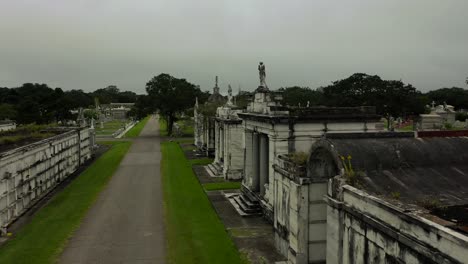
{"type": "Point", "coordinates": [171, 96]}
{"type": "Point", "coordinates": [390, 97]}
{"type": "Point", "coordinates": [39, 103]}
{"type": "Point", "coordinates": [458, 97]}
{"type": "Point", "coordinates": [294, 96]}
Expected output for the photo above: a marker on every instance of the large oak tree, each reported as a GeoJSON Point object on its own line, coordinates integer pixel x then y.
{"type": "Point", "coordinates": [390, 97]}
{"type": "Point", "coordinates": [171, 96]}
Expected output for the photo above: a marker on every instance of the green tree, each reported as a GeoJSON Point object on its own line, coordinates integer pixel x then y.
{"type": "Point", "coordinates": [29, 112]}
{"type": "Point", "coordinates": [293, 96]}
{"type": "Point", "coordinates": [7, 111]}
{"type": "Point", "coordinates": [143, 107]}
{"type": "Point", "coordinates": [171, 96]}
{"type": "Point", "coordinates": [458, 97]}
{"type": "Point", "coordinates": [390, 97]}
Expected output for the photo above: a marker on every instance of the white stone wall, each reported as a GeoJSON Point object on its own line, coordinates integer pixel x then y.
{"type": "Point", "coordinates": [7, 126]}
{"type": "Point", "coordinates": [29, 172]}
{"type": "Point", "coordinates": [233, 151]}
{"type": "Point", "coordinates": [366, 229]}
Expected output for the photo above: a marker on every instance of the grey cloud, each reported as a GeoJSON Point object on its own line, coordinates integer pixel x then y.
{"type": "Point", "coordinates": [89, 44]}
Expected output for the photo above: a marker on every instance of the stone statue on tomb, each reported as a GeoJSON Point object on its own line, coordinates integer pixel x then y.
{"type": "Point", "coordinates": [262, 74]}
{"type": "Point", "coordinates": [229, 102]}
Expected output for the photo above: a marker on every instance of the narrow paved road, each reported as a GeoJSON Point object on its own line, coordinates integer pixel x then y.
{"type": "Point", "coordinates": [125, 225]}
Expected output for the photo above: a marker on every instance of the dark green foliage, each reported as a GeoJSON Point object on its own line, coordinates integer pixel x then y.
{"type": "Point", "coordinates": [112, 94]}
{"type": "Point", "coordinates": [390, 97]}
{"type": "Point", "coordinates": [171, 96]}
{"type": "Point", "coordinates": [458, 97]}
{"type": "Point", "coordinates": [142, 108]}
{"type": "Point", "coordinates": [460, 116]}
{"type": "Point", "coordinates": [243, 98]}
{"type": "Point", "coordinates": [38, 103]}
{"type": "Point", "coordinates": [7, 111]}
{"type": "Point", "coordinates": [295, 96]}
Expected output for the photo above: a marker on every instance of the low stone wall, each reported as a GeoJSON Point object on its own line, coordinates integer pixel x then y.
{"type": "Point", "coordinates": [28, 173]}
{"type": "Point", "coordinates": [366, 229]}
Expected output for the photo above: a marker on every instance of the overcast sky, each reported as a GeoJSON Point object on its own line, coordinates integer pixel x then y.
{"type": "Point", "coordinates": [89, 44]}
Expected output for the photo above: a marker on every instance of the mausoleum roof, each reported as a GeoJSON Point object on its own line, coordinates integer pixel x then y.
{"type": "Point", "coordinates": [316, 114]}
{"type": "Point", "coordinates": [408, 171]}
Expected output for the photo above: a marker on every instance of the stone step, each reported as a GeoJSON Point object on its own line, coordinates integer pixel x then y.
{"type": "Point", "coordinates": [232, 199]}
{"type": "Point", "coordinates": [248, 202]}
{"type": "Point", "coordinates": [213, 170]}
{"type": "Point", "coordinates": [246, 208]}
{"type": "Point", "coordinates": [248, 195]}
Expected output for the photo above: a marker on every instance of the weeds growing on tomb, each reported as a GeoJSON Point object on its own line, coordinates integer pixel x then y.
{"type": "Point", "coordinates": [353, 178]}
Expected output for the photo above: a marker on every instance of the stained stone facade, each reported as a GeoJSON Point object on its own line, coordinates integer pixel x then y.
{"type": "Point", "coordinates": [437, 118]}
{"type": "Point", "coordinates": [28, 173]}
{"type": "Point", "coordinates": [339, 189]}
{"type": "Point", "coordinates": [204, 121]}
{"type": "Point", "coordinates": [229, 136]}
{"type": "Point", "coordinates": [408, 204]}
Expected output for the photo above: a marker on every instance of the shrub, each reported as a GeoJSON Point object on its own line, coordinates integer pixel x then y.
{"type": "Point", "coordinates": [298, 158]}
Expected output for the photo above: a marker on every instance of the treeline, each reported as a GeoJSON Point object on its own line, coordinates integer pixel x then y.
{"type": "Point", "coordinates": [390, 97]}
{"type": "Point", "coordinates": [38, 103]}
{"type": "Point", "coordinates": [41, 104]}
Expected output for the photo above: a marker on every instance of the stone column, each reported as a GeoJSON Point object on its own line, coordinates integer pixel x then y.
{"type": "Point", "coordinates": [216, 142]}
{"type": "Point", "coordinates": [263, 162]}
{"type": "Point", "coordinates": [256, 163]}
{"type": "Point", "coordinates": [248, 142]}
{"type": "Point", "coordinates": [221, 143]}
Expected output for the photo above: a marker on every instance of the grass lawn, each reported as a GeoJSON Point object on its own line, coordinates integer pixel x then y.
{"type": "Point", "coordinates": [43, 239]}
{"type": "Point", "coordinates": [136, 130]}
{"type": "Point", "coordinates": [162, 127]}
{"type": "Point", "coordinates": [203, 161]}
{"type": "Point", "coordinates": [185, 124]}
{"type": "Point", "coordinates": [221, 186]}
{"type": "Point", "coordinates": [109, 127]}
{"type": "Point", "coordinates": [194, 232]}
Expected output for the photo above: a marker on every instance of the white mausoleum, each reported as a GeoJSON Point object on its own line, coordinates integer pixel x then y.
{"type": "Point", "coordinates": [29, 172]}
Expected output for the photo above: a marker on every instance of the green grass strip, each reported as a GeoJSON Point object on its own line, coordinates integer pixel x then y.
{"type": "Point", "coordinates": [162, 127]}
{"type": "Point", "coordinates": [221, 186]}
{"type": "Point", "coordinates": [203, 161]}
{"type": "Point", "coordinates": [194, 232]}
{"type": "Point", "coordinates": [136, 130]}
{"type": "Point", "coordinates": [43, 239]}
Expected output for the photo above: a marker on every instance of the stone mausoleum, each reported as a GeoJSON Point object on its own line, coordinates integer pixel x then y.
{"type": "Point", "coordinates": [229, 137]}
{"type": "Point", "coordinates": [29, 172]}
{"type": "Point", "coordinates": [204, 121]}
{"type": "Point", "coordinates": [339, 189]}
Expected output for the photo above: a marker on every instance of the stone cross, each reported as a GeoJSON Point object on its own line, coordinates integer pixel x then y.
{"type": "Point", "coordinates": [433, 104]}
